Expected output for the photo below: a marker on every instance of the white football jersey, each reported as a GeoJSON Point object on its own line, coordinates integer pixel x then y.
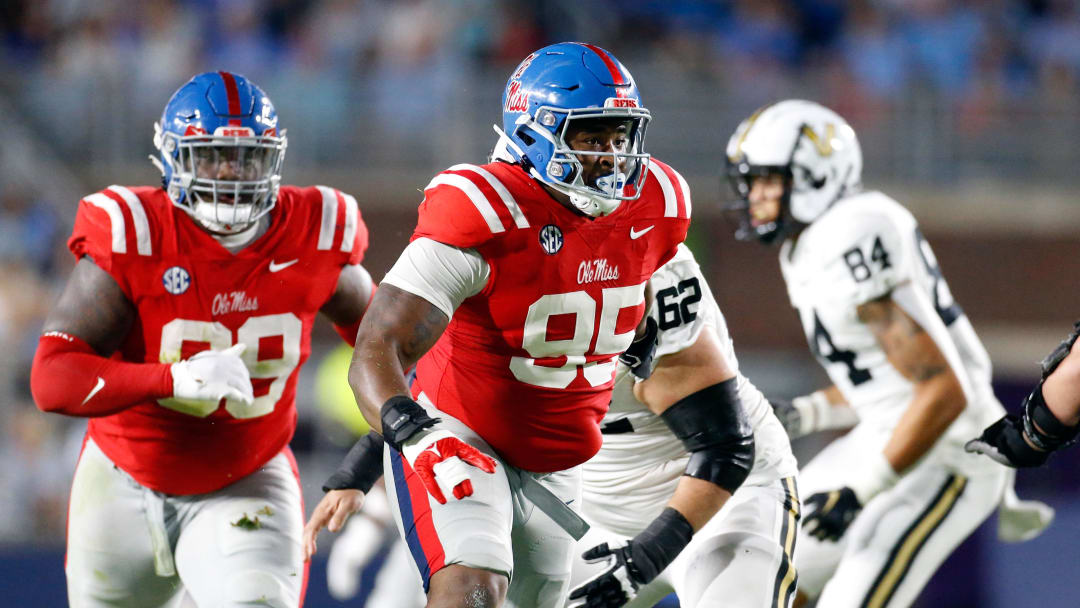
{"type": "Point", "coordinates": [630, 480]}
{"type": "Point", "coordinates": [866, 247]}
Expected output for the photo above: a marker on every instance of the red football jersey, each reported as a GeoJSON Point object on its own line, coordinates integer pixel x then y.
{"type": "Point", "coordinates": [529, 362]}
{"type": "Point", "coordinates": [192, 294]}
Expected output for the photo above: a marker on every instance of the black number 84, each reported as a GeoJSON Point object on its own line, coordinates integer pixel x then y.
{"type": "Point", "coordinates": [857, 264]}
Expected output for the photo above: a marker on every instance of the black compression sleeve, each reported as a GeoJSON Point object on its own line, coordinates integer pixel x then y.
{"type": "Point", "coordinates": [714, 428]}
{"type": "Point", "coordinates": [361, 468]}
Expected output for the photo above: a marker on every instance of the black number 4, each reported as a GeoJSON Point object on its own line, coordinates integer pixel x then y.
{"type": "Point", "coordinates": [674, 313]}
{"type": "Point", "coordinates": [821, 340]}
{"type": "Point", "coordinates": [856, 261]}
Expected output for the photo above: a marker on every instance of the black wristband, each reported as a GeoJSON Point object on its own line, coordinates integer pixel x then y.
{"type": "Point", "coordinates": [658, 545]}
{"type": "Point", "coordinates": [402, 418]}
{"type": "Point", "coordinates": [639, 357]}
{"type": "Point", "coordinates": [361, 468]}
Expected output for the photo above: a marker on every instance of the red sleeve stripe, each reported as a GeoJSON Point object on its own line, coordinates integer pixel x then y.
{"type": "Point", "coordinates": [352, 213]}
{"type": "Point", "coordinates": [118, 225]}
{"type": "Point", "coordinates": [329, 218]}
{"type": "Point", "coordinates": [138, 217]}
{"type": "Point", "coordinates": [500, 189]}
{"type": "Point", "coordinates": [474, 194]}
{"type": "Point", "coordinates": [675, 198]}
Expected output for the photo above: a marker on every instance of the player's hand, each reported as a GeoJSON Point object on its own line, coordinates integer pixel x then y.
{"type": "Point", "coordinates": [444, 462]}
{"type": "Point", "coordinates": [639, 357]}
{"type": "Point", "coordinates": [828, 514]}
{"type": "Point", "coordinates": [789, 416]}
{"type": "Point", "coordinates": [331, 513]}
{"type": "Point", "coordinates": [618, 583]}
{"type": "Point", "coordinates": [213, 375]}
{"type": "Point", "coordinates": [1004, 442]}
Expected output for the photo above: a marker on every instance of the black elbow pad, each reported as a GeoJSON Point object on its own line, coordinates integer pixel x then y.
{"type": "Point", "coordinates": [714, 428]}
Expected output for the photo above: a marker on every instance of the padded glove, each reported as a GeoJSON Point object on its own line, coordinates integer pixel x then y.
{"type": "Point", "coordinates": [202, 381]}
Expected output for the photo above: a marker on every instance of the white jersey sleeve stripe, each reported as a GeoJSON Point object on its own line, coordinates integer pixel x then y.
{"type": "Point", "coordinates": [685, 191]}
{"type": "Point", "coordinates": [671, 202]}
{"type": "Point", "coordinates": [351, 216]}
{"type": "Point", "coordinates": [504, 194]}
{"type": "Point", "coordinates": [475, 195]}
{"type": "Point", "coordinates": [138, 218]}
{"type": "Point", "coordinates": [329, 217]}
{"type": "Point", "coordinates": [116, 219]}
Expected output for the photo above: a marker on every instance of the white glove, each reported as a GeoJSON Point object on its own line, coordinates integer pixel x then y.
{"type": "Point", "coordinates": [812, 413]}
{"type": "Point", "coordinates": [201, 382]}
{"type": "Point", "coordinates": [1021, 520]}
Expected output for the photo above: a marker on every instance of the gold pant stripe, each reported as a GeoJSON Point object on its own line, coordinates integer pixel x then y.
{"type": "Point", "coordinates": [905, 551]}
{"type": "Point", "coordinates": [787, 577]}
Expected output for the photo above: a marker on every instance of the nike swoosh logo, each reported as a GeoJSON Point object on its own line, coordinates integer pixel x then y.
{"type": "Point", "coordinates": [274, 266]}
{"type": "Point", "coordinates": [637, 233]}
{"type": "Point", "coordinates": [97, 387]}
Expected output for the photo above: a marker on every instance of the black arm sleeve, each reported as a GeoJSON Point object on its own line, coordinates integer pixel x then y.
{"type": "Point", "coordinates": [361, 468]}
{"type": "Point", "coordinates": [713, 426]}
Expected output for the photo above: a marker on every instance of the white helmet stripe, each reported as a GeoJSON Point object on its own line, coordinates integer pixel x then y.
{"type": "Point", "coordinates": [500, 189]}
{"type": "Point", "coordinates": [475, 195]}
{"type": "Point", "coordinates": [138, 218]}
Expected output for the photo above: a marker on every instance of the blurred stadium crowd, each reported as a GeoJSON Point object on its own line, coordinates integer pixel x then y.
{"type": "Point", "coordinates": [965, 49]}
{"type": "Point", "coordinates": [358, 81]}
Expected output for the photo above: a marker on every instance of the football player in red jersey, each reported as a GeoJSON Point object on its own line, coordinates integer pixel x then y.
{"type": "Point", "coordinates": [179, 334]}
{"type": "Point", "coordinates": [523, 282]}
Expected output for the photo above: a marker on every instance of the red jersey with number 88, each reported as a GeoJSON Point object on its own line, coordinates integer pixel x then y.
{"type": "Point", "coordinates": [529, 362]}
{"type": "Point", "coordinates": [191, 294]}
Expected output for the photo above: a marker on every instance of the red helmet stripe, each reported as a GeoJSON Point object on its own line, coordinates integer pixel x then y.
{"type": "Point", "coordinates": [613, 68]}
{"type": "Point", "coordinates": [233, 95]}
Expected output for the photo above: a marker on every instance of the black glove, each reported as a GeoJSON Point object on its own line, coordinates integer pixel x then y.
{"type": "Point", "coordinates": [639, 357]}
{"type": "Point", "coordinates": [633, 564]}
{"type": "Point", "coordinates": [830, 513]}
{"type": "Point", "coordinates": [1004, 442]}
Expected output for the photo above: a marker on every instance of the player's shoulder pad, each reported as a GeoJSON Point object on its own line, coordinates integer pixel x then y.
{"type": "Point", "coordinates": [866, 243]}
{"type": "Point", "coordinates": [681, 266]}
{"type": "Point", "coordinates": [118, 221]}
{"type": "Point", "coordinates": [468, 205]}
{"type": "Point", "coordinates": [860, 219]}
{"type": "Point", "coordinates": [331, 214]}
{"type": "Point", "coordinates": [665, 193]}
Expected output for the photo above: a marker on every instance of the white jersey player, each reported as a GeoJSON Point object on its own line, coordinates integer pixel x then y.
{"type": "Point", "coordinates": [742, 556]}
{"type": "Point", "coordinates": [890, 500]}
